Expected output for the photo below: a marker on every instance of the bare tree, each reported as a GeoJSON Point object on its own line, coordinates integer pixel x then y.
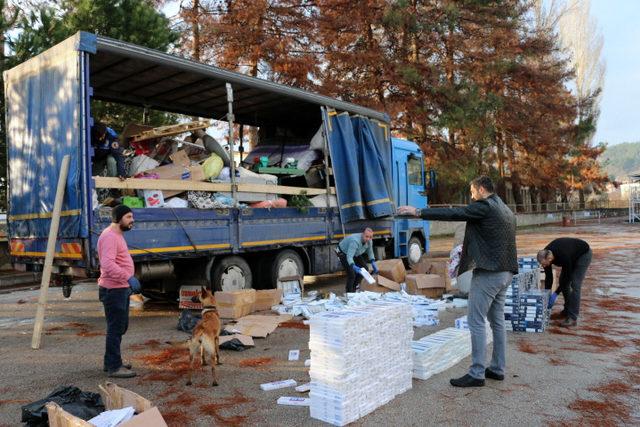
{"type": "Point", "coordinates": [580, 35]}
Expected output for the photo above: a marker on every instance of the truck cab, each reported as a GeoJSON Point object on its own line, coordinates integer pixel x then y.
{"type": "Point", "coordinates": [411, 235]}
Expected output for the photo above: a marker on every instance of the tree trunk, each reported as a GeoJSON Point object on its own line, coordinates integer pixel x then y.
{"type": "Point", "coordinates": [195, 27]}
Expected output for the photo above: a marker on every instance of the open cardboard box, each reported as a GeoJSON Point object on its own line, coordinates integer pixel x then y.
{"type": "Point", "coordinates": [392, 269]}
{"type": "Point", "coordinates": [429, 285]}
{"type": "Point", "coordinates": [180, 169]}
{"type": "Point", "coordinates": [235, 304]}
{"type": "Point", "coordinates": [267, 298]}
{"type": "Point", "coordinates": [439, 266]}
{"type": "Point", "coordinates": [114, 397]}
{"type": "Point", "coordinates": [381, 285]}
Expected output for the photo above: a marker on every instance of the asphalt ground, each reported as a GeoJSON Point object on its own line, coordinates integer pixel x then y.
{"type": "Point", "coordinates": [589, 375]}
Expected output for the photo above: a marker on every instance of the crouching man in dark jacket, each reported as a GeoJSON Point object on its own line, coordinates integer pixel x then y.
{"type": "Point", "coordinates": [489, 250]}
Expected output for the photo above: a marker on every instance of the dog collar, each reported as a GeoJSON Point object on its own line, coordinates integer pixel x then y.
{"type": "Point", "coordinates": [206, 310]}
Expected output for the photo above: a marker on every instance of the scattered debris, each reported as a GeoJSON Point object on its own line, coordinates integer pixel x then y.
{"type": "Point", "coordinates": [278, 384]}
{"type": "Point", "coordinates": [294, 401]}
{"type": "Point", "coordinates": [294, 355]}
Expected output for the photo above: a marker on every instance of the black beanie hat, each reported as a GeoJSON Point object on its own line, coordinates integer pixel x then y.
{"type": "Point", "coordinates": [118, 212]}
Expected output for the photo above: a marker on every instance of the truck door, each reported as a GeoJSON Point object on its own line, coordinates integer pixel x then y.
{"type": "Point", "coordinates": [408, 174]}
{"type": "Point", "coordinates": [44, 114]}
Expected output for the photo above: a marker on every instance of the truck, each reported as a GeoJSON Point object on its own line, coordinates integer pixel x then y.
{"type": "Point", "coordinates": [49, 115]}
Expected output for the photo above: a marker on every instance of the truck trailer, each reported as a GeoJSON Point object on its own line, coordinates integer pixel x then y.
{"type": "Point", "coordinates": [49, 115]}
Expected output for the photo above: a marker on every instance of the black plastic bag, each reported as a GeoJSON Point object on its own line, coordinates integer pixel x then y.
{"type": "Point", "coordinates": [82, 404]}
{"type": "Point", "coordinates": [233, 344]}
{"type": "Point", "coordinates": [187, 321]}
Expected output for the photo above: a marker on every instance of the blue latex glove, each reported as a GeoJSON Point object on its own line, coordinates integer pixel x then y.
{"type": "Point", "coordinates": [552, 300]}
{"type": "Point", "coordinates": [355, 268]}
{"type": "Point", "coordinates": [136, 287]}
{"type": "Point", "coordinates": [374, 266]}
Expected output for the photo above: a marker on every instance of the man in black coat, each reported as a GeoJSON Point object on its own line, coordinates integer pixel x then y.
{"type": "Point", "coordinates": [489, 250]}
{"type": "Point", "coordinates": [574, 256]}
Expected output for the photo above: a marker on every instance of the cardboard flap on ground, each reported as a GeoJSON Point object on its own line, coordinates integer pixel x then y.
{"type": "Point", "coordinates": [258, 326]}
{"type": "Point", "coordinates": [382, 285]}
{"type": "Point", "coordinates": [114, 397]}
{"type": "Point", "coordinates": [392, 269]}
{"type": "Point", "coordinates": [244, 339]}
{"type": "Point", "coordinates": [429, 285]}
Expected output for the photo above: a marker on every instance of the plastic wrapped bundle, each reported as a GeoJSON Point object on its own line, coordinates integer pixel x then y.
{"type": "Point", "coordinates": [439, 351]}
{"type": "Point", "coordinates": [533, 315]}
{"type": "Point", "coordinates": [360, 360]}
{"type": "Point", "coordinates": [525, 304]}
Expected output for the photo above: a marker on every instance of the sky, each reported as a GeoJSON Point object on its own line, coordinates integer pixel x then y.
{"type": "Point", "coordinates": [620, 106]}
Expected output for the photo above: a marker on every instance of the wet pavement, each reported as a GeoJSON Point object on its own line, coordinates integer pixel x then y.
{"type": "Point", "coordinates": [589, 375]}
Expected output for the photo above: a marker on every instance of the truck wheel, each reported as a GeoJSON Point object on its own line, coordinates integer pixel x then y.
{"type": "Point", "coordinates": [66, 291]}
{"type": "Point", "coordinates": [414, 251]}
{"type": "Point", "coordinates": [286, 263]}
{"type": "Point", "coordinates": [231, 274]}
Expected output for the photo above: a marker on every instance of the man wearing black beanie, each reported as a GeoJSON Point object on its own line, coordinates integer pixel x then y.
{"type": "Point", "coordinates": [116, 283]}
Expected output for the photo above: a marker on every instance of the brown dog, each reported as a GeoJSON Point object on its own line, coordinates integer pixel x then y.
{"type": "Point", "coordinates": [206, 335]}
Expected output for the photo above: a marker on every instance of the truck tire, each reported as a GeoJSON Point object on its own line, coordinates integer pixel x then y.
{"type": "Point", "coordinates": [231, 273]}
{"type": "Point", "coordinates": [414, 251]}
{"type": "Point", "coordinates": [286, 263]}
{"type": "Point", "coordinates": [66, 291]}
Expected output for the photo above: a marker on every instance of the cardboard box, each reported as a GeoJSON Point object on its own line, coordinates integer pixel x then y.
{"type": "Point", "coordinates": [439, 266]}
{"type": "Point", "coordinates": [382, 285]}
{"type": "Point", "coordinates": [176, 172]}
{"type": "Point", "coordinates": [180, 157]}
{"type": "Point", "coordinates": [258, 325]}
{"type": "Point", "coordinates": [429, 285]}
{"type": "Point", "coordinates": [114, 397]}
{"type": "Point", "coordinates": [186, 293]}
{"type": "Point", "coordinates": [267, 298]}
{"type": "Point", "coordinates": [235, 304]}
{"type": "Point", "coordinates": [392, 269]}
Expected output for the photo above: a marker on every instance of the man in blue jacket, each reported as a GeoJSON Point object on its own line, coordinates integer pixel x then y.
{"type": "Point", "coordinates": [351, 251]}
{"type": "Point", "coordinates": [107, 151]}
{"type": "Point", "coordinates": [489, 250]}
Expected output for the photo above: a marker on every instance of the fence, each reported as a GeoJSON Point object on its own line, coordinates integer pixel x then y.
{"type": "Point", "coordinates": [556, 206]}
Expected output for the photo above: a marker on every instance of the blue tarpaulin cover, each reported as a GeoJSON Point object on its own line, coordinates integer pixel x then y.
{"type": "Point", "coordinates": [43, 99]}
{"type": "Point", "coordinates": [360, 154]}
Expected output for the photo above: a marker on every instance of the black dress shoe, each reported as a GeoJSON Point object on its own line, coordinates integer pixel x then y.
{"type": "Point", "coordinates": [492, 375]}
{"type": "Point", "coordinates": [568, 322]}
{"type": "Point", "coordinates": [466, 381]}
{"type": "Point", "coordinates": [558, 316]}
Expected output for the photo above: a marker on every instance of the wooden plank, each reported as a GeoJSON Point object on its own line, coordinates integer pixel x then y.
{"type": "Point", "coordinates": [170, 130]}
{"type": "Point", "coordinates": [48, 260]}
{"type": "Point", "coordinates": [177, 185]}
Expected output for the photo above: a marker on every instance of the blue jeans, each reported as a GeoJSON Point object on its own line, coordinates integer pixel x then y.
{"type": "Point", "coordinates": [486, 301]}
{"type": "Point", "coordinates": [116, 311]}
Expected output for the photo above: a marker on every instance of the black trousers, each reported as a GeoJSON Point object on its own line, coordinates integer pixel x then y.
{"type": "Point", "coordinates": [577, 276]}
{"type": "Point", "coordinates": [571, 292]}
{"type": "Point", "coordinates": [353, 279]}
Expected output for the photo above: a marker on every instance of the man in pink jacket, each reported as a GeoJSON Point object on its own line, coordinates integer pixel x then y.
{"type": "Point", "coordinates": [116, 283]}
